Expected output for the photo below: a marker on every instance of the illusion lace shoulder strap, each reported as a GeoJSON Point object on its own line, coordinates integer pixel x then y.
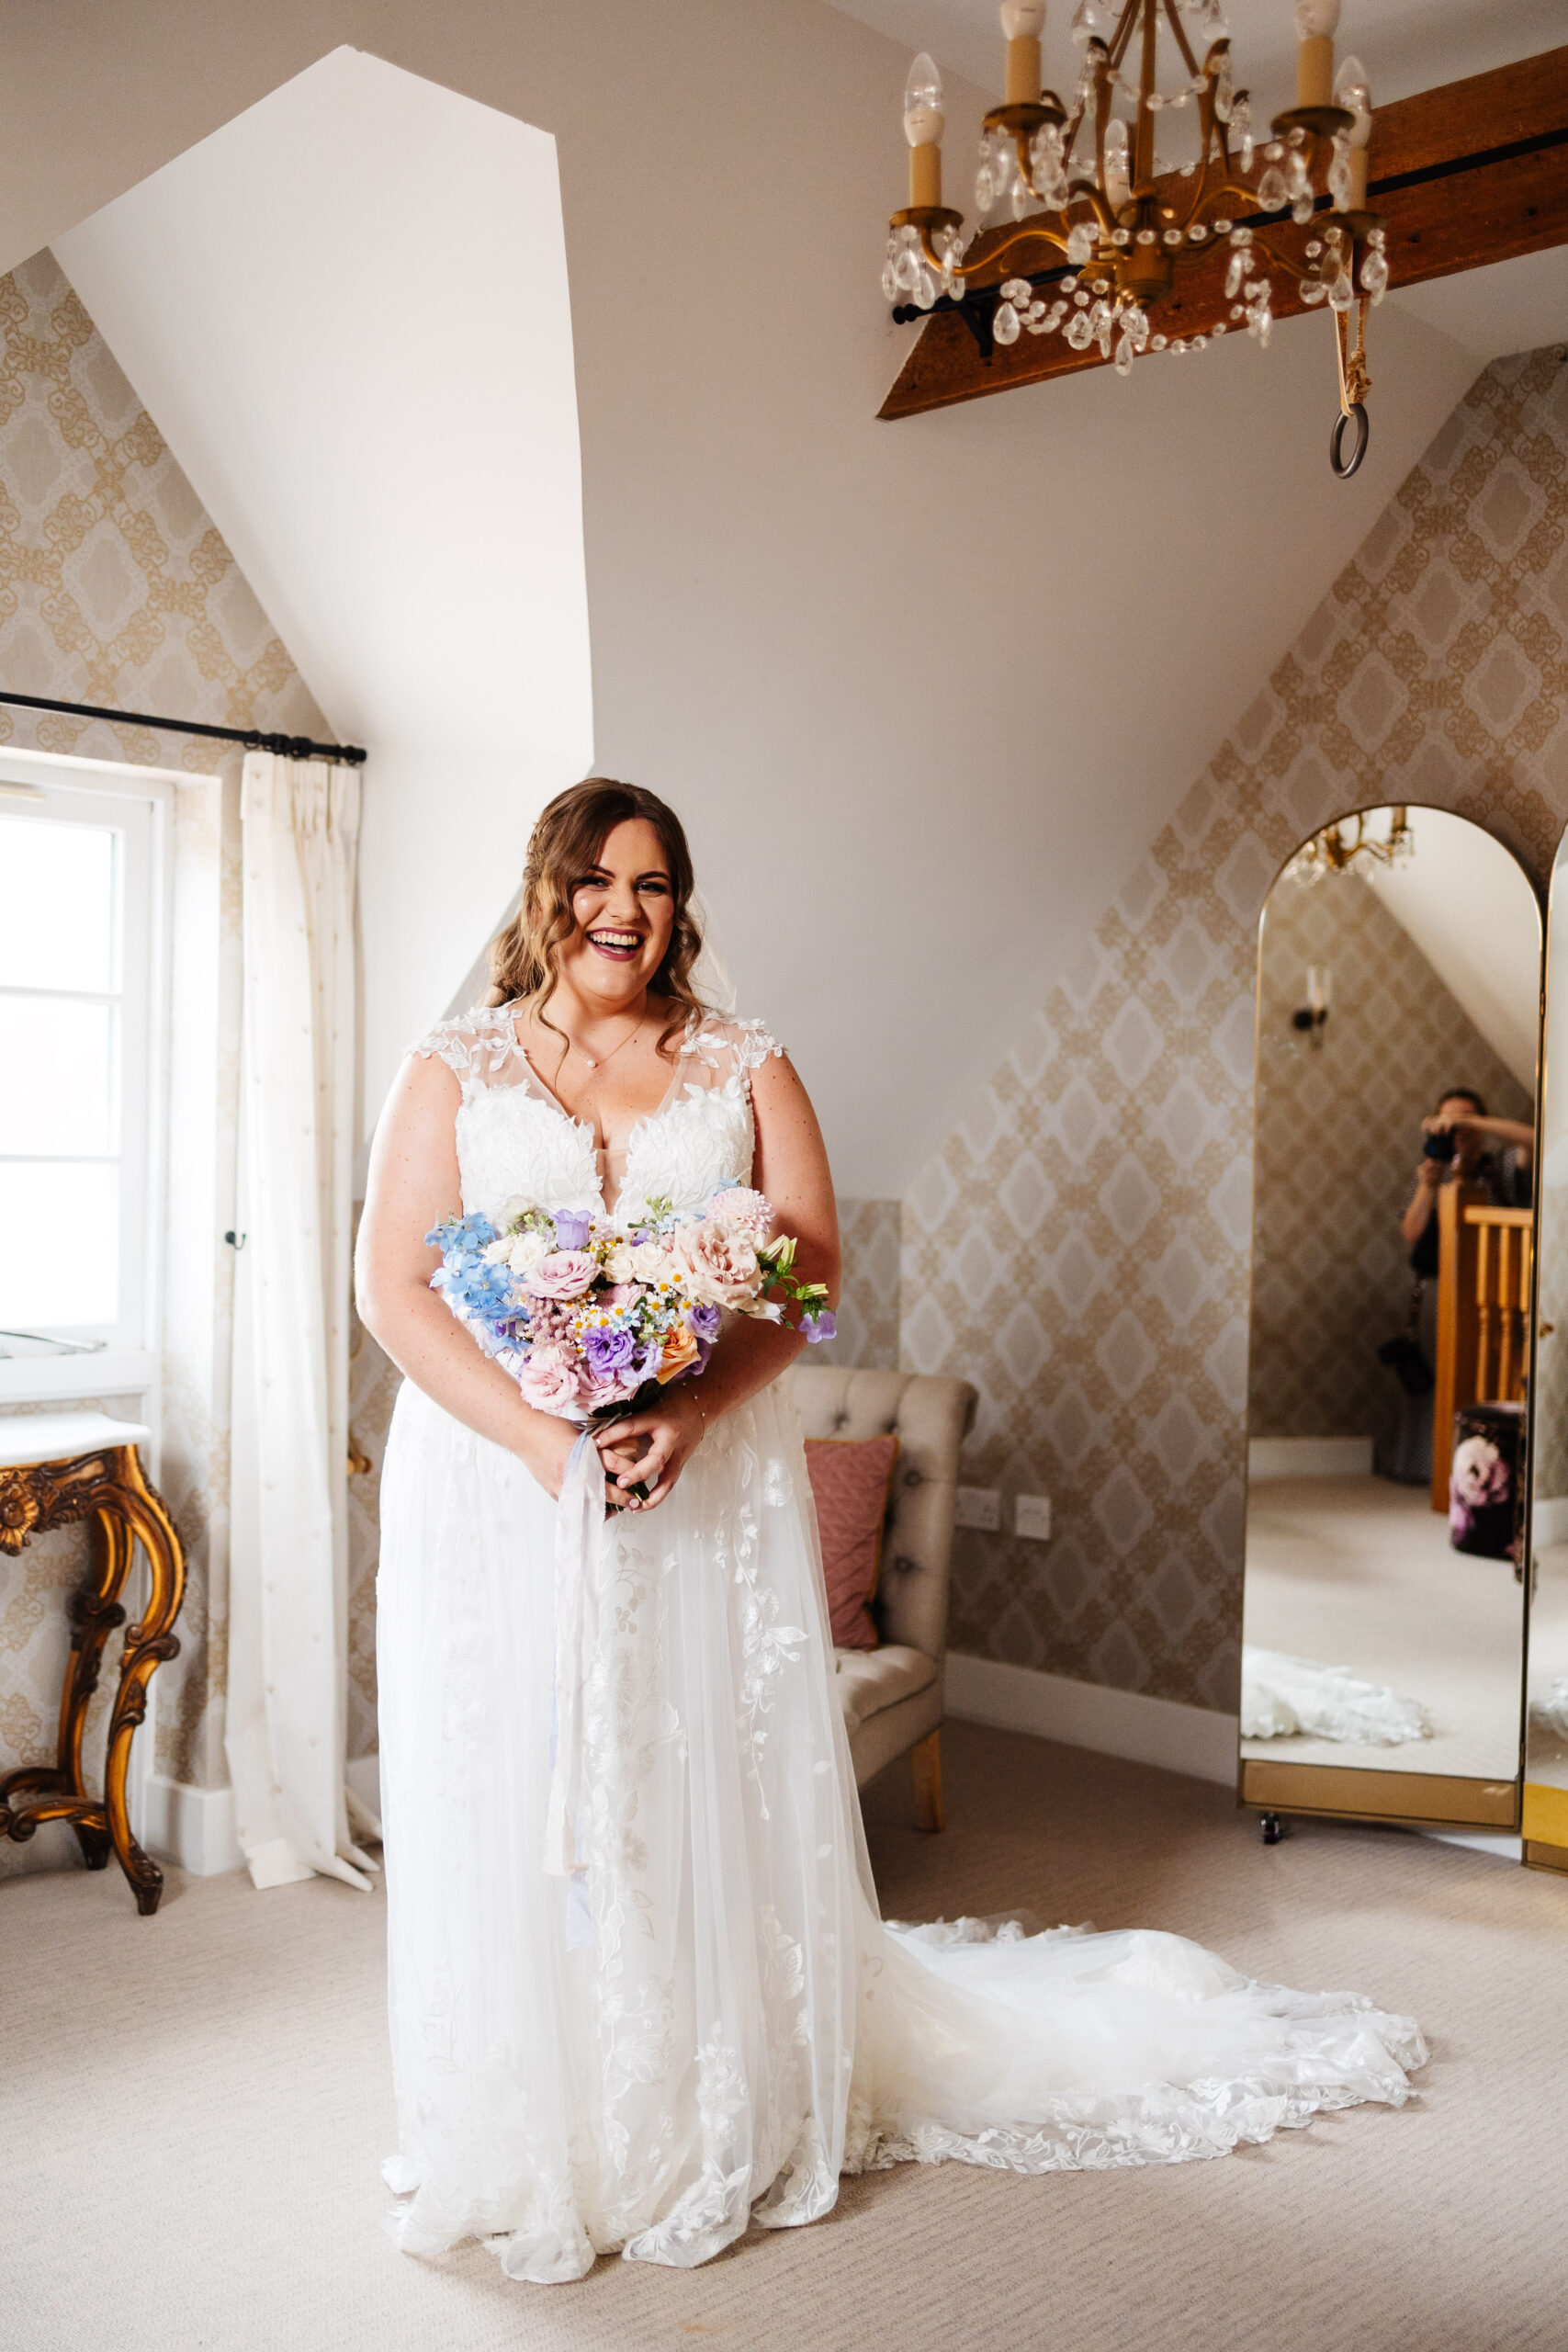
{"type": "Point", "coordinates": [477, 1047]}
{"type": "Point", "coordinates": [729, 1047]}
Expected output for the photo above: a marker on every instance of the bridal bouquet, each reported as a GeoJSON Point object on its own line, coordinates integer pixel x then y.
{"type": "Point", "coordinates": [592, 1318]}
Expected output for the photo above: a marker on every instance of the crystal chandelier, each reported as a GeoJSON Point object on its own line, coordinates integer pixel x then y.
{"type": "Point", "coordinates": [1125, 222]}
{"type": "Point", "coordinates": [1337, 848]}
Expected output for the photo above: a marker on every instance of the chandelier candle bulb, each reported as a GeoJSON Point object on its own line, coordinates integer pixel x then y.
{"type": "Point", "coordinates": [1022, 22]}
{"type": "Point", "coordinates": [1317, 23]}
{"type": "Point", "coordinates": [1351, 90]}
{"type": "Point", "coordinates": [923, 125]}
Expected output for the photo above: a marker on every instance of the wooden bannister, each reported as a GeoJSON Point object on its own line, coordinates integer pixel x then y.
{"type": "Point", "coordinates": [1485, 1266]}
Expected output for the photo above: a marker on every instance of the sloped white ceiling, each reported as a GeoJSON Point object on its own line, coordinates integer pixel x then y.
{"type": "Point", "coordinates": [1405, 45]}
{"type": "Point", "coordinates": [924, 691]}
{"type": "Point", "coordinates": [406, 504]}
{"type": "Point", "coordinates": [1469, 906]}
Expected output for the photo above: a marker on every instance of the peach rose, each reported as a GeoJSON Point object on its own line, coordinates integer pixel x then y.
{"type": "Point", "coordinates": [717, 1264]}
{"type": "Point", "coordinates": [680, 1351]}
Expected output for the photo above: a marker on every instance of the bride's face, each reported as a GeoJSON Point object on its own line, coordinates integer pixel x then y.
{"type": "Point", "coordinates": [625, 912]}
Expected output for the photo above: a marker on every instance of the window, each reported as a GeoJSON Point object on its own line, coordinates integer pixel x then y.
{"type": "Point", "coordinates": [81, 951]}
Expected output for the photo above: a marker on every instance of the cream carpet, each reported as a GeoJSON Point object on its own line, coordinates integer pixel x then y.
{"type": "Point", "coordinates": [1359, 1573]}
{"type": "Point", "coordinates": [195, 2105]}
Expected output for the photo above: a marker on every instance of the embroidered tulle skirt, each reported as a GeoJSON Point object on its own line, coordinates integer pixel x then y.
{"type": "Point", "coordinates": [708, 2023]}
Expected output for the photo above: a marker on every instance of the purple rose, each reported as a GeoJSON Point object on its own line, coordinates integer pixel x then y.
{"type": "Point", "coordinates": [571, 1228]}
{"type": "Point", "coordinates": [705, 1322]}
{"type": "Point", "coordinates": [612, 1385]}
{"type": "Point", "coordinates": [608, 1350]}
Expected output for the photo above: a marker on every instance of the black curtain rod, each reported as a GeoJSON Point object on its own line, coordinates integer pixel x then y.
{"type": "Point", "coordinates": [285, 747]}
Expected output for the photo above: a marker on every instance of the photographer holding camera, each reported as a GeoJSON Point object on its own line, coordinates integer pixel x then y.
{"type": "Point", "coordinates": [1463, 1143]}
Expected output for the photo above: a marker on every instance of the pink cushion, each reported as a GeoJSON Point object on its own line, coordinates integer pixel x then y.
{"type": "Point", "coordinates": [850, 1481]}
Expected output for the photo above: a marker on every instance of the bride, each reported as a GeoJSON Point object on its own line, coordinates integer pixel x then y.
{"type": "Point", "coordinates": [704, 2022]}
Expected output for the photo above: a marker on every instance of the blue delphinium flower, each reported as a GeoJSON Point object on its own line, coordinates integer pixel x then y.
{"type": "Point", "coordinates": [467, 1234]}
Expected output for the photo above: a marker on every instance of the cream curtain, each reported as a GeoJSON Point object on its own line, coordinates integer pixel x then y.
{"type": "Point", "coordinates": [288, 1577]}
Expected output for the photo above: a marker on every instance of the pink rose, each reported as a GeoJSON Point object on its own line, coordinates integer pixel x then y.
{"type": "Point", "coordinates": [565, 1273]}
{"type": "Point", "coordinates": [717, 1263]}
{"type": "Point", "coordinates": [548, 1380]}
{"type": "Point", "coordinates": [748, 1210]}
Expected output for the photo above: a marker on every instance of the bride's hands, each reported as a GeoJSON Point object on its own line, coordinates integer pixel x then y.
{"type": "Point", "coordinates": [670, 1431]}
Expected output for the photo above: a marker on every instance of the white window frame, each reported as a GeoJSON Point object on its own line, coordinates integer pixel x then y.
{"type": "Point", "coordinates": [125, 1361]}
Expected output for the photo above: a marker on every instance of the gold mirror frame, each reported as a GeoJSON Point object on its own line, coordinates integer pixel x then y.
{"type": "Point", "coordinates": [1350, 1792]}
{"type": "Point", "coordinates": [1544, 1797]}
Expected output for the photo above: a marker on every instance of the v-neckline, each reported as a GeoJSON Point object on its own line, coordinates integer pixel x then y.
{"type": "Point", "coordinates": [586, 1127]}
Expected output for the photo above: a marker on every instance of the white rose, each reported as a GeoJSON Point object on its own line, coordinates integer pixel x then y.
{"type": "Point", "coordinates": [650, 1262]}
{"type": "Point", "coordinates": [525, 1253]}
{"type": "Point", "coordinates": [620, 1264]}
{"type": "Point", "coordinates": [496, 1253]}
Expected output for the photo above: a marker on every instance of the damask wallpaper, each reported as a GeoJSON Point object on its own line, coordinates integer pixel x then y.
{"type": "Point", "coordinates": [1078, 1246]}
{"type": "Point", "coordinates": [1336, 1145]}
{"type": "Point", "coordinates": [116, 588]}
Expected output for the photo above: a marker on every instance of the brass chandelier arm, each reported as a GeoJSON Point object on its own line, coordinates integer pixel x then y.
{"type": "Point", "coordinates": [1174, 20]}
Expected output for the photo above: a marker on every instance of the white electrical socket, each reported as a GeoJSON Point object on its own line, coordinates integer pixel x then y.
{"type": "Point", "coordinates": [979, 1507]}
{"type": "Point", "coordinates": [1033, 1517]}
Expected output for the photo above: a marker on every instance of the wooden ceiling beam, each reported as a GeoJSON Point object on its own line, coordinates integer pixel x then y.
{"type": "Point", "coordinates": [1475, 172]}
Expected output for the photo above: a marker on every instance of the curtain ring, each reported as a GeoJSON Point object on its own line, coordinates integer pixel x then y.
{"type": "Point", "coordinates": [1341, 466]}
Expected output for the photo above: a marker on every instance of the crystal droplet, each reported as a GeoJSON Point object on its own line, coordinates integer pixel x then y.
{"type": "Point", "coordinates": [1271, 190]}
{"type": "Point", "coordinates": [1080, 243]}
{"type": "Point", "coordinates": [1079, 332]}
{"type": "Point", "coordinates": [925, 289]}
{"type": "Point", "coordinates": [1022, 196]}
{"type": "Point", "coordinates": [889, 283]}
{"type": "Point", "coordinates": [1301, 210]}
{"type": "Point", "coordinates": [1342, 294]}
{"type": "Point", "coordinates": [1004, 326]}
{"type": "Point", "coordinates": [1374, 274]}
{"type": "Point", "coordinates": [1124, 362]}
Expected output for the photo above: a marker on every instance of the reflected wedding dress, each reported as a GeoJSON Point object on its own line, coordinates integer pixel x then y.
{"type": "Point", "coordinates": [709, 2022]}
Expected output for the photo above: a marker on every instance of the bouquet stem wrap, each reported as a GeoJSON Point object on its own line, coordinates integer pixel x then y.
{"type": "Point", "coordinates": [580, 1550]}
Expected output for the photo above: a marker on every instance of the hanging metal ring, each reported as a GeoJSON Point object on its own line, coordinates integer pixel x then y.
{"type": "Point", "coordinates": [1344, 468]}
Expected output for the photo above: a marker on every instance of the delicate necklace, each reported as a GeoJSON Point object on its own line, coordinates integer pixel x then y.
{"type": "Point", "coordinates": [610, 1056]}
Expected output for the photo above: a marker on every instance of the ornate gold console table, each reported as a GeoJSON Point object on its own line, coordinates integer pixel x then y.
{"type": "Point", "coordinates": [54, 1469]}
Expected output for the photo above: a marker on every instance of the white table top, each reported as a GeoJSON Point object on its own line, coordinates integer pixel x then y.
{"type": "Point", "coordinates": [27, 1438]}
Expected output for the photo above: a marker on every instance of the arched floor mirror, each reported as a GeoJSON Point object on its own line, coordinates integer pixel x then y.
{"type": "Point", "coordinates": [1399, 995]}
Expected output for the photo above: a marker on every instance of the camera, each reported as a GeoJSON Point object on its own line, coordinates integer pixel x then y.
{"type": "Point", "coordinates": [1440, 1146]}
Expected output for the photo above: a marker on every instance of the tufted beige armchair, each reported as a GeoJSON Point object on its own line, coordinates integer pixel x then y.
{"type": "Point", "coordinates": [892, 1695]}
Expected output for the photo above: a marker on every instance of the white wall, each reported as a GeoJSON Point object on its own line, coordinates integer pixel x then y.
{"type": "Point", "coordinates": [954, 672]}
{"type": "Point", "coordinates": [365, 368]}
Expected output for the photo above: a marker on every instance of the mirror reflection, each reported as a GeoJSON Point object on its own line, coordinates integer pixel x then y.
{"type": "Point", "coordinates": [1399, 988]}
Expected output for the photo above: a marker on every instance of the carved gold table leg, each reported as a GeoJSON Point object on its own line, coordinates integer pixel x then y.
{"type": "Point", "coordinates": [111, 1488]}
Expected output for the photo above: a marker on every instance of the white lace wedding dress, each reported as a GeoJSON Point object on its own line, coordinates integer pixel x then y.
{"type": "Point", "coordinates": [710, 2022]}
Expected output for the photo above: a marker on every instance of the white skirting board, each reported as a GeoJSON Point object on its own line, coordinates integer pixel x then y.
{"type": "Point", "coordinates": [194, 1827]}
{"type": "Point", "coordinates": [1310, 1457]}
{"type": "Point", "coordinates": [1086, 1715]}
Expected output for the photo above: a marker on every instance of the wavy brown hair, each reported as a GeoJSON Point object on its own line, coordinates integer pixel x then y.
{"type": "Point", "coordinates": [567, 843]}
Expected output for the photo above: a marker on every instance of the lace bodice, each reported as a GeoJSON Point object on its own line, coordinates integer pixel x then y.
{"type": "Point", "coordinates": [514, 1138]}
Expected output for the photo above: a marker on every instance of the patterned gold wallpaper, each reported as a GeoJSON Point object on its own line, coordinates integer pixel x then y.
{"type": "Point", "coordinates": [1337, 1142]}
{"type": "Point", "coordinates": [114, 587]}
{"type": "Point", "coordinates": [1078, 1246]}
